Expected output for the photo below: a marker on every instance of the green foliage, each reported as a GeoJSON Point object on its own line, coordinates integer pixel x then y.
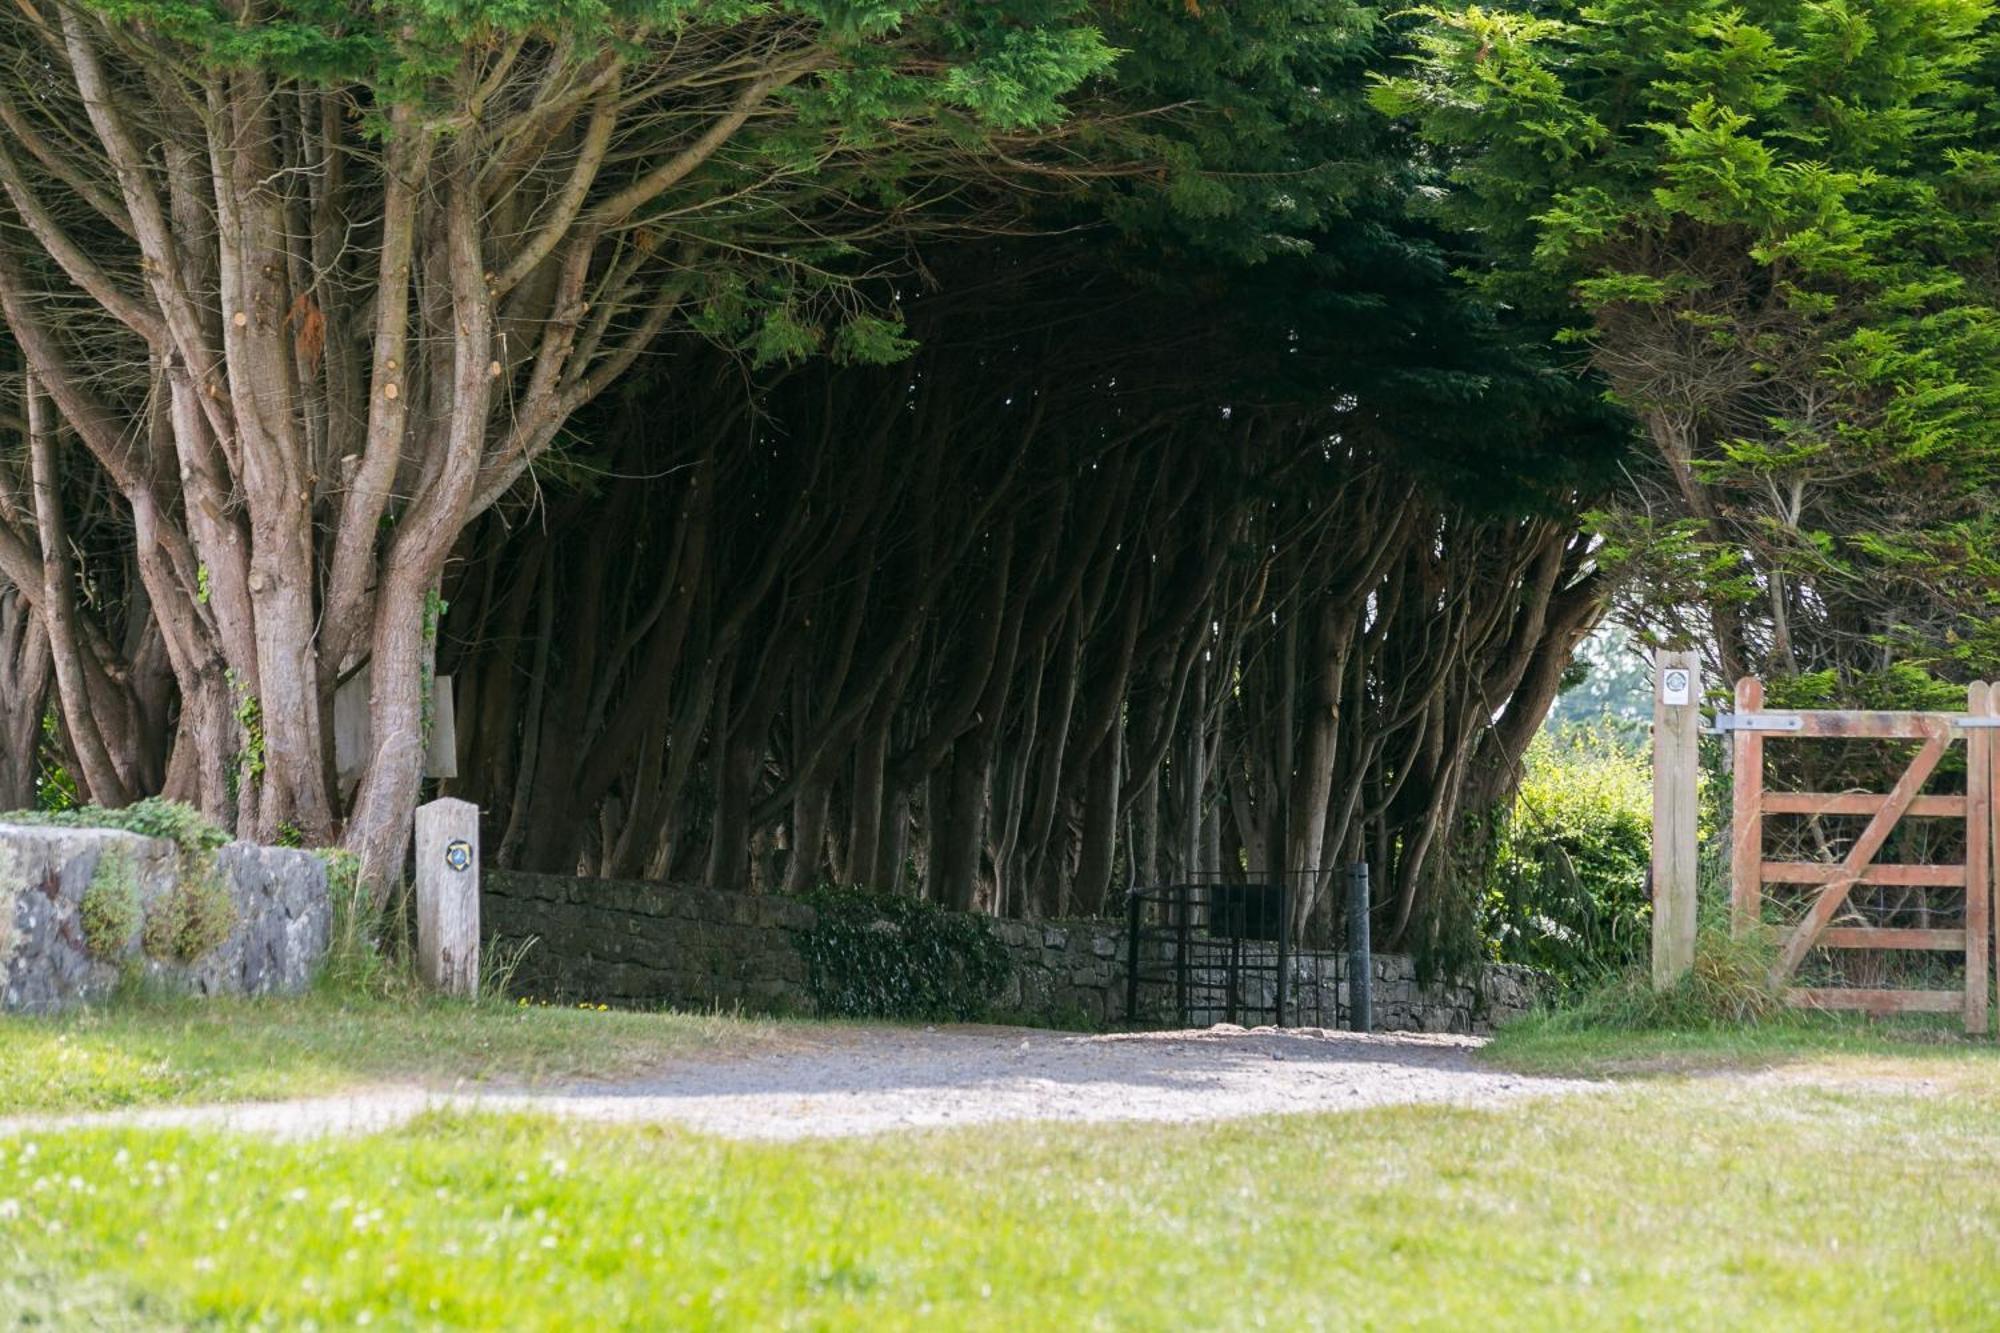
{"type": "Point", "coordinates": [189, 921]}
{"type": "Point", "coordinates": [109, 911]}
{"type": "Point", "coordinates": [1729, 985]}
{"type": "Point", "coordinates": [249, 713]}
{"type": "Point", "coordinates": [879, 955]}
{"type": "Point", "coordinates": [178, 823]}
{"type": "Point", "coordinates": [1901, 685]}
{"type": "Point", "coordinates": [359, 959]}
{"type": "Point", "coordinates": [55, 785]}
{"type": "Point", "coordinates": [1568, 891]}
{"type": "Point", "coordinates": [1772, 225]}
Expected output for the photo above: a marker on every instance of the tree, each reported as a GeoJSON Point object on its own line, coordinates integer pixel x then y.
{"type": "Point", "coordinates": [1773, 227]}
{"type": "Point", "coordinates": [316, 284]}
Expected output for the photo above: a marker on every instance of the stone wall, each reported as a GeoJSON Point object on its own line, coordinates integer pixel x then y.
{"type": "Point", "coordinates": [283, 918]}
{"type": "Point", "coordinates": [637, 943]}
{"type": "Point", "coordinates": [634, 943]}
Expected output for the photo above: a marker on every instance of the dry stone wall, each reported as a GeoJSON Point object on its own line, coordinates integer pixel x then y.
{"type": "Point", "coordinates": [645, 944]}
{"type": "Point", "coordinates": [283, 919]}
{"type": "Point", "coordinates": [635, 943]}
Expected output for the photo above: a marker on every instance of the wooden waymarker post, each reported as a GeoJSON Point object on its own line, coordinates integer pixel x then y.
{"type": "Point", "coordinates": [1676, 728]}
{"type": "Point", "coordinates": [448, 896]}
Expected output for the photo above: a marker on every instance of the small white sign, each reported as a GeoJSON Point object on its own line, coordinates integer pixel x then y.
{"type": "Point", "coordinates": [1676, 686]}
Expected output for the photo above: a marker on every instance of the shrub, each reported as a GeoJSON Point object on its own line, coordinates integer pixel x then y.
{"type": "Point", "coordinates": [1568, 891]}
{"type": "Point", "coordinates": [878, 955]}
{"type": "Point", "coordinates": [188, 921]}
{"type": "Point", "coordinates": [109, 911]}
{"type": "Point", "coordinates": [1729, 985]}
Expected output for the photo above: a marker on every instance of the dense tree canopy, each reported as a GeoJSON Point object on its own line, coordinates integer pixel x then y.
{"type": "Point", "coordinates": [1004, 452]}
{"type": "Point", "coordinates": [1775, 227]}
{"type": "Point", "coordinates": [316, 284]}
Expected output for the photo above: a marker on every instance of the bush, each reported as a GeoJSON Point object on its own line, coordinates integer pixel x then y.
{"type": "Point", "coordinates": [109, 912]}
{"type": "Point", "coordinates": [878, 955]}
{"type": "Point", "coordinates": [1568, 891]}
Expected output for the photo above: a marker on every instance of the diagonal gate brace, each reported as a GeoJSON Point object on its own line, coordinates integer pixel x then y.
{"type": "Point", "coordinates": [1834, 896]}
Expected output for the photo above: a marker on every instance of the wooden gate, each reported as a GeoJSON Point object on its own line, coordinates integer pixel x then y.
{"type": "Point", "coordinates": [1824, 887]}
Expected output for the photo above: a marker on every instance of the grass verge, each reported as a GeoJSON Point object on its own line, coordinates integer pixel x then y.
{"type": "Point", "coordinates": [1672, 1203]}
{"type": "Point", "coordinates": [146, 1050]}
{"type": "Point", "coordinates": [1569, 1044]}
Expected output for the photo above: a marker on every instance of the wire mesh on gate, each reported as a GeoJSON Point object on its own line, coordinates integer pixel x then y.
{"type": "Point", "coordinates": [1236, 948]}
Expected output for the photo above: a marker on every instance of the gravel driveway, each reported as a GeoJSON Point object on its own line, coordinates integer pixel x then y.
{"type": "Point", "coordinates": [842, 1081]}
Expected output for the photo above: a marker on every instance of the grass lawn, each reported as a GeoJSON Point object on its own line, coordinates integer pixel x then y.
{"type": "Point", "coordinates": [165, 1050]}
{"type": "Point", "coordinates": [1564, 1045]}
{"type": "Point", "coordinates": [1854, 1185]}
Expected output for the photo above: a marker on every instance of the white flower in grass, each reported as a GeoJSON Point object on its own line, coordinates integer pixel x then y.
{"type": "Point", "coordinates": [9, 1209]}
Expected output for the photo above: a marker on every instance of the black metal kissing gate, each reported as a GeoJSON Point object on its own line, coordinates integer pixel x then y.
{"type": "Point", "coordinates": [1220, 952]}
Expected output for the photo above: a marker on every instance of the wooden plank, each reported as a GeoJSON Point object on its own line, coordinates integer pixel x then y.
{"type": "Point", "coordinates": [1746, 851]}
{"type": "Point", "coordinates": [1876, 1001]}
{"type": "Point", "coordinates": [1979, 830]}
{"type": "Point", "coordinates": [1858, 803]}
{"type": "Point", "coordinates": [1832, 872]}
{"type": "Point", "coordinates": [1834, 895]}
{"type": "Point", "coordinates": [1845, 723]}
{"type": "Point", "coordinates": [1676, 762]}
{"type": "Point", "coordinates": [1890, 937]}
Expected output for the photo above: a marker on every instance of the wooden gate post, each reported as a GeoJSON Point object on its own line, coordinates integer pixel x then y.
{"type": "Point", "coordinates": [1676, 726]}
{"type": "Point", "coordinates": [1746, 848]}
{"type": "Point", "coordinates": [448, 896]}
{"type": "Point", "coordinates": [1980, 824]}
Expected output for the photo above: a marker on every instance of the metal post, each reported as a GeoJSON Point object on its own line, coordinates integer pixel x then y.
{"type": "Point", "coordinates": [1232, 978]}
{"type": "Point", "coordinates": [1132, 911]}
{"type": "Point", "coordinates": [1183, 904]}
{"type": "Point", "coordinates": [1360, 957]}
{"type": "Point", "coordinates": [1284, 897]}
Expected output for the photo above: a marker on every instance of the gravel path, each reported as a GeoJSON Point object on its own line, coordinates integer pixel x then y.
{"type": "Point", "coordinates": [870, 1080]}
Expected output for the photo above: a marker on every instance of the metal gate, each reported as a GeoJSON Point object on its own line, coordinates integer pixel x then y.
{"type": "Point", "coordinates": [1909, 906]}
{"type": "Point", "coordinates": [1208, 952]}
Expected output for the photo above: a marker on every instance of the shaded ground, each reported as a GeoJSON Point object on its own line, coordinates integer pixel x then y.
{"type": "Point", "coordinates": [848, 1081]}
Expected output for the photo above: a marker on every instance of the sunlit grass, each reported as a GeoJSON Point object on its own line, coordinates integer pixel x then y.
{"type": "Point", "coordinates": [144, 1051]}
{"type": "Point", "coordinates": [1663, 1203]}
{"type": "Point", "coordinates": [1565, 1043]}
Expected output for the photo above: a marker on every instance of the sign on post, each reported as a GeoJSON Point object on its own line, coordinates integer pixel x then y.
{"type": "Point", "coordinates": [1676, 730]}
{"type": "Point", "coordinates": [448, 896]}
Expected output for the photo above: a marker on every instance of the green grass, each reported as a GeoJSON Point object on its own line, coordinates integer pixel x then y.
{"type": "Point", "coordinates": [153, 1050]}
{"type": "Point", "coordinates": [1678, 1202]}
{"type": "Point", "coordinates": [1564, 1043]}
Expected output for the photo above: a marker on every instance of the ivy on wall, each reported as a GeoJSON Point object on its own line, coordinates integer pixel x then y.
{"type": "Point", "coordinates": [879, 955]}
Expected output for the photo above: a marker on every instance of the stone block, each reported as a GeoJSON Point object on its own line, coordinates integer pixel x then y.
{"type": "Point", "coordinates": [283, 917]}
